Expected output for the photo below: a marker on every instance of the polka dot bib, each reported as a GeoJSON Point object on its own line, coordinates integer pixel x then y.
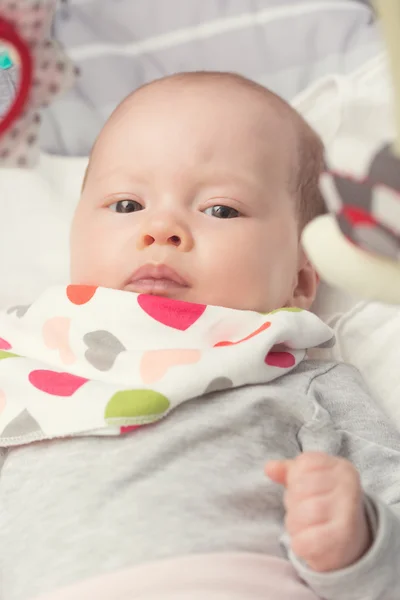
{"type": "Point", "coordinates": [86, 361]}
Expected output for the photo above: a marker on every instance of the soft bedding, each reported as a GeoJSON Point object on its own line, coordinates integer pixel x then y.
{"type": "Point", "coordinates": [119, 45]}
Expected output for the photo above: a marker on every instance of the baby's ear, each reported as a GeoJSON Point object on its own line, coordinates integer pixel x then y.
{"type": "Point", "coordinates": [307, 283]}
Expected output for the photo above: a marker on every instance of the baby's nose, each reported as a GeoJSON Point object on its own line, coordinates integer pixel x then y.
{"type": "Point", "coordinates": [166, 233]}
{"type": "Point", "coordinates": [174, 240]}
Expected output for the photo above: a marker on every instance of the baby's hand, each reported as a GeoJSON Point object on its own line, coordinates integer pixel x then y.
{"type": "Point", "coordinates": [325, 515]}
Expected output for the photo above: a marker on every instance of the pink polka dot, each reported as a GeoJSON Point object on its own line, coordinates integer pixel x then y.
{"type": "Point", "coordinates": [284, 360]}
{"type": "Point", "coordinates": [156, 363]}
{"type": "Point", "coordinates": [173, 313]}
{"type": "Point", "coordinates": [56, 384]}
{"type": "Point", "coordinates": [56, 337]}
{"type": "Point", "coordinates": [4, 345]}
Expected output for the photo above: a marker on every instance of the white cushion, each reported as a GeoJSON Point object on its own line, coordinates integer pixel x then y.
{"type": "Point", "coordinates": [284, 44]}
{"type": "Point", "coordinates": [35, 213]}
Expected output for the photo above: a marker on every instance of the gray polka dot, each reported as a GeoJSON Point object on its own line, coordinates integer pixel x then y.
{"type": "Point", "coordinates": [103, 349]}
{"type": "Point", "coordinates": [22, 425]}
{"type": "Point", "coordinates": [20, 311]}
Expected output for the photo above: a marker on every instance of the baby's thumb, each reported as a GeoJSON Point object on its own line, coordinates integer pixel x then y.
{"type": "Point", "coordinates": [277, 470]}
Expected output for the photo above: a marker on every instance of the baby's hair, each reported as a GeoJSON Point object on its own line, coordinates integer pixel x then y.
{"type": "Point", "coordinates": [310, 166]}
{"type": "Point", "coordinates": [309, 161]}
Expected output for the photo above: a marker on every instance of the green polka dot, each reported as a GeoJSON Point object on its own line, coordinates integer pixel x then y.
{"type": "Point", "coordinates": [4, 354]}
{"type": "Point", "coordinates": [136, 403]}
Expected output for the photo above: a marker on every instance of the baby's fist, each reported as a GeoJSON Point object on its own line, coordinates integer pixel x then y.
{"type": "Point", "coordinates": [325, 514]}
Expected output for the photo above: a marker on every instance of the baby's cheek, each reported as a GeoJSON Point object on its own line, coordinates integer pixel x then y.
{"type": "Point", "coordinates": [93, 257]}
{"type": "Point", "coordinates": [270, 284]}
{"type": "Point", "coordinates": [240, 280]}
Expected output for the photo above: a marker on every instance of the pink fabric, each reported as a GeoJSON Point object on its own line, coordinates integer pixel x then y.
{"type": "Point", "coordinates": [211, 577]}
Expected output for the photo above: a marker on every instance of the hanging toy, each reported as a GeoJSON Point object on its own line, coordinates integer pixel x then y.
{"type": "Point", "coordinates": [5, 59]}
{"type": "Point", "coordinates": [44, 73]}
{"type": "Point", "coordinates": [357, 245]}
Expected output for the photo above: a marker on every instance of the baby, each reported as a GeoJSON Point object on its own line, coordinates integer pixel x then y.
{"type": "Point", "coordinates": [183, 505]}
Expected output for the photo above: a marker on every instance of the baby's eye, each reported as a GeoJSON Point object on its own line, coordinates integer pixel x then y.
{"type": "Point", "coordinates": [222, 212]}
{"type": "Point", "coordinates": [126, 206]}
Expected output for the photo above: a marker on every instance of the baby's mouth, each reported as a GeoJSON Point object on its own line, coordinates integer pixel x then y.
{"type": "Point", "coordinates": [159, 280]}
{"type": "Point", "coordinates": [157, 287]}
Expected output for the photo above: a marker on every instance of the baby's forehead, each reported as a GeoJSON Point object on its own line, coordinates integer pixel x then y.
{"type": "Point", "coordinates": [228, 90]}
{"type": "Point", "coordinates": [217, 101]}
{"type": "Point", "coordinates": [227, 106]}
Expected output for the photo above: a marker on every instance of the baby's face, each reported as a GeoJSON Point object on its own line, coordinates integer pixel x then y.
{"type": "Point", "coordinates": [187, 196]}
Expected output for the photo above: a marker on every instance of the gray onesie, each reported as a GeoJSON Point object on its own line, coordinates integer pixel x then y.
{"type": "Point", "coordinates": [194, 483]}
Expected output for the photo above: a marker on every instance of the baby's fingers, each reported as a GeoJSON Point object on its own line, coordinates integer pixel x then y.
{"type": "Point", "coordinates": [278, 470]}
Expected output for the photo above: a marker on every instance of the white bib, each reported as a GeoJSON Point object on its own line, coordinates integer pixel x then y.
{"type": "Point", "coordinates": [94, 361]}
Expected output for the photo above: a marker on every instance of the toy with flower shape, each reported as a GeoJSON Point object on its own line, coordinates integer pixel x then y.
{"type": "Point", "coordinates": [357, 245]}
{"type": "Point", "coordinates": [45, 72]}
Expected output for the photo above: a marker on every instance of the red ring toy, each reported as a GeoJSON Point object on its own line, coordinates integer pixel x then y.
{"type": "Point", "coordinates": [10, 35]}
